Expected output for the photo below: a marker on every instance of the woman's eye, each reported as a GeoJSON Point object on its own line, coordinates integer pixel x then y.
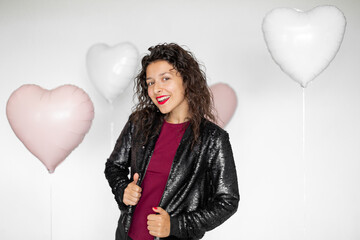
{"type": "Point", "coordinates": [150, 83]}
{"type": "Point", "coordinates": [166, 78]}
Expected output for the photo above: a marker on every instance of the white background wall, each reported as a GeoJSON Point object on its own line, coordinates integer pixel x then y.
{"type": "Point", "coordinates": [45, 43]}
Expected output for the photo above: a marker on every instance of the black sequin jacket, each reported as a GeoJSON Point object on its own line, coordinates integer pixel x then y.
{"type": "Point", "coordinates": [201, 191]}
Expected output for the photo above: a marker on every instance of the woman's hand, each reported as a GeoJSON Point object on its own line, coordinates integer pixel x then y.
{"type": "Point", "coordinates": [132, 192]}
{"type": "Point", "coordinates": [159, 224]}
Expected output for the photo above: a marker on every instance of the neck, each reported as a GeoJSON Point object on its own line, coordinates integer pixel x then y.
{"type": "Point", "coordinates": [179, 119]}
{"type": "Point", "coordinates": [180, 114]}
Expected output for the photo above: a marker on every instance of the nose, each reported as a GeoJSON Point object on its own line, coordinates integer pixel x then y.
{"type": "Point", "coordinates": [157, 88]}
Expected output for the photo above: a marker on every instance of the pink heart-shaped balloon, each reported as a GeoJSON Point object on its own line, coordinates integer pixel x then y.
{"type": "Point", "coordinates": [225, 102]}
{"type": "Point", "coordinates": [50, 123]}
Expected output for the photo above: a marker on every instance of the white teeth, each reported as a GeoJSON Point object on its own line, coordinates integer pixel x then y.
{"type": "Point", "coordinates": [163, 98]}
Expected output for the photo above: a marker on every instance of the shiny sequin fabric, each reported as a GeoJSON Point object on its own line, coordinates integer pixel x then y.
{"type": "Point", "coordinates": [202, 188]}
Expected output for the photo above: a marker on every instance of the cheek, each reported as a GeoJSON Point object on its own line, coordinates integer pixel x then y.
{"type": "Point", "coordinates": [149, 92]}
{"type": "Point", "coordinates": [173, 89]}
{"type": "Point", "coordinates": [179, 89]}
{"type": "Point", "coordinates": [151, 95]}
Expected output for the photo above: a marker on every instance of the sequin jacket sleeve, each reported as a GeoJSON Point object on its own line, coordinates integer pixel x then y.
{"type": "Point", "coordinates": [221, 185]}
{"type": "Point", "coordinates": [117, 165]}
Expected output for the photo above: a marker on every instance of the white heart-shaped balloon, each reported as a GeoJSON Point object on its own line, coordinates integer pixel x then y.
{"type": "Point", "coordinates": [304, 43]}
{"type": "Point", "coordinates": [112, 68]}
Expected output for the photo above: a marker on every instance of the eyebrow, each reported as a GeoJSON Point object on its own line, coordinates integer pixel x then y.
{"type": "Point", "coordinates": [161, 74]}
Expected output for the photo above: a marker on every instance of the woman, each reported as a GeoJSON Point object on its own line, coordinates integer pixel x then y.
{"type": "Point", "coordinates": [183, 178]}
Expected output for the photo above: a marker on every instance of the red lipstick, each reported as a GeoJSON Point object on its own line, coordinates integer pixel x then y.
{"type": "Point", "coordinates": [162, 99]}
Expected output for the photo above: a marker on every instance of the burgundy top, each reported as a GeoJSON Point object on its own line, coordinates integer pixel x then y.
{"type": "Point", "coordinates": [156, 177]}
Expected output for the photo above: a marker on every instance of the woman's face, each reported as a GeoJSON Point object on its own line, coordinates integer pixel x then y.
{"type": "Point", "coordinates": [166, 90]}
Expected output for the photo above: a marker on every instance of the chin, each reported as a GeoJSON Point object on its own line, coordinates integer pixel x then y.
{"type": "Point", "coordinates": [163, 111]}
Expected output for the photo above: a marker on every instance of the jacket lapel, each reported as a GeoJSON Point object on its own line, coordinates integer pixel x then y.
{"type": "Point", "coordinates": [143, 159]}
{"type": "Point", "coordinates": [181, 168]}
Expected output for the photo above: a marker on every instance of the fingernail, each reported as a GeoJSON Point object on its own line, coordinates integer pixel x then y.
{"type": "Point", "coordinates": [155, 208]}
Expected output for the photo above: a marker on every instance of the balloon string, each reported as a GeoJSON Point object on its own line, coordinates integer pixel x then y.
{"type": "Point", "coordinates": [51, 206]}
{"type": "Point", "coordinates": [111, 127]}
{"type": "Point", "coordinates": [304, 160]}
{"type": "Point", "coordinates": [112, 137]}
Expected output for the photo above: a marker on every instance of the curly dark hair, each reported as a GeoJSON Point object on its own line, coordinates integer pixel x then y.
{"type": "Point", "coordinates": [197, 92]}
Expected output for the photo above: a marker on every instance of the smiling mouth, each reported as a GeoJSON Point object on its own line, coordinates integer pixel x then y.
{"type": "Point", "coordinates": [162, 99]}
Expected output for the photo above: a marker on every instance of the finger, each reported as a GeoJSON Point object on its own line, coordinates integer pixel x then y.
{"type": "Point", "coordinates": [153, 217]}
{"type": "Point", "coordinates": [134, 194]}
{"type": "Point", "coordinates": [159, 210]}
{"type": "Point", "coordinates": [128, 197]}
{"type": "Point", "coordinates": [132, 198]}
{"type": "Point", "coordinates": [154, 230]}
{"type": "Point", "coordinates": [153, 224]}
{"type": "Point", "coordinates": [131, 195]}
{"type": "Point", "coordinates": [136, 177]}
{"type": "Point", "coordinates": [129, 202]}
{"type": "Point", "coordinates": [154, 233]}
{"type": "Point", "coordinates": [136, 188]}
{"type": "Point", "coordinates": [130, 190]}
